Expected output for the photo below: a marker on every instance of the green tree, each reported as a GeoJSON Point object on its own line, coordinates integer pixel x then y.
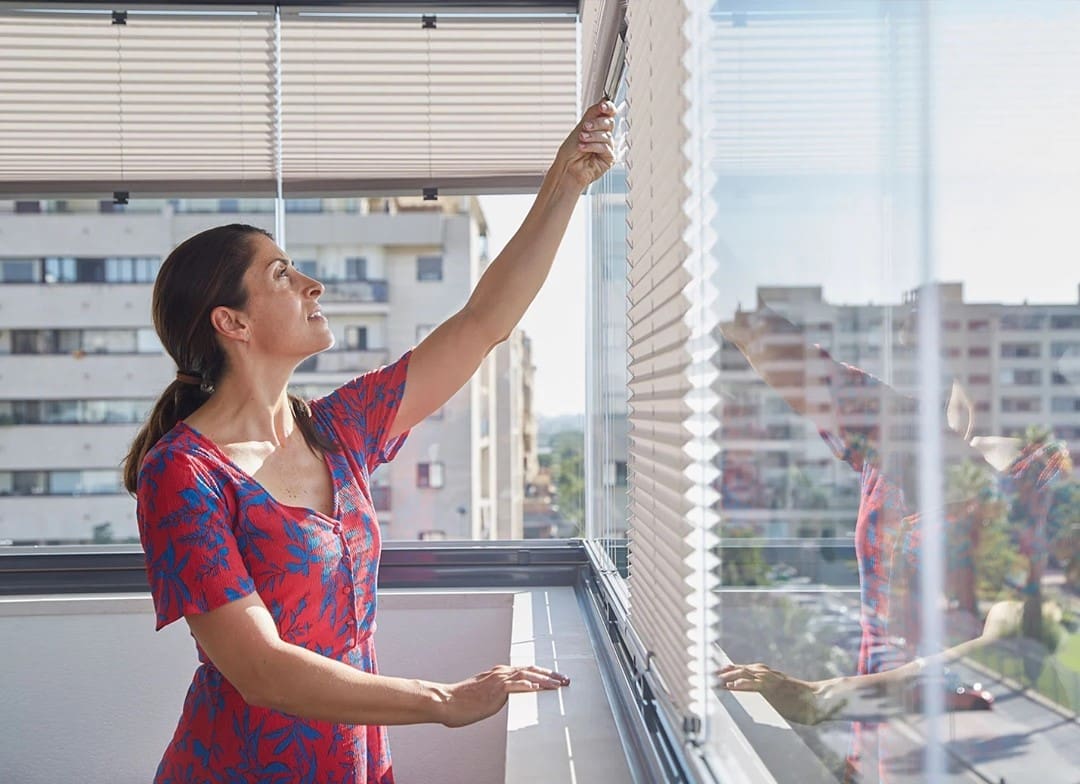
{"type": "Point", "coordinates": [1063, 531]}
{"type": "Point", "coordinates": [741, 564]}
{"type": "Point", "coordinates": [568, 471]}
{"type": "Point", "coordinates": [982, 524]}
{"type": "Point", "coordinates": [103, 534]}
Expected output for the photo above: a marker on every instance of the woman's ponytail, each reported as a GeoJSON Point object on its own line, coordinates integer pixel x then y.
{"type": "Point", "coordinates": [177, 402]}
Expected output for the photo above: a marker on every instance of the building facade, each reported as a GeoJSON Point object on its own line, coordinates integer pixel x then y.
{"type": "Point", "coordinates": [80, 365]}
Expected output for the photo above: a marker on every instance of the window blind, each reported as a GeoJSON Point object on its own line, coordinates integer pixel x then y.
{"type": "Point", "coordinates": [672, 472]}
{"type": "Point", "coordinates": [394, 105]}
{"type": "Point", "coordinates": [183, 102]}
{"type": "Point", "coordinates": [94, 102]}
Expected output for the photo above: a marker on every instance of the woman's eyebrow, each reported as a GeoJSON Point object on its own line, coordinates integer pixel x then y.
{"type": "Point", "coordinates": [286, 262]}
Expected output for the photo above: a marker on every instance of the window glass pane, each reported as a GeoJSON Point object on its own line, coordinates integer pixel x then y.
{"type": "Point", "coordinates": [20, 270]}
{"type": "Point", "coordinates": [606, 446]}
{"type": "Point", "coordinates": [429, 268]}
{"type": "Point", "coordinates": [60, 270]}
{"type": "Point", "coordinates": [109, 341]}
{"type": "Point", "coordinates": [146, 341]}
{"type": "Point", "coordinates": [90, 270]}
{"type": "Point", "coordinates": [896, 374]}
{"type": "Point", "coordinates": [81, 341]}
{"type": "Point", "coordinates": [356, 268]}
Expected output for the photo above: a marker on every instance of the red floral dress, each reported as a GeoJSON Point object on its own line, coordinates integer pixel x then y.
{"type": "Point", "coordinates": [212, 534]}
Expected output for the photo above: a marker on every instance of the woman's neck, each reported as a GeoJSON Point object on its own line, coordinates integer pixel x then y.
{"type": "Point", "coordinates": [241, 411]}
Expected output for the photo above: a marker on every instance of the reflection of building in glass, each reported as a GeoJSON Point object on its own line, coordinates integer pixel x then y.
{"type": "Point", "coordinates": [81, 364]}
{"type": "Point", "coordinates": [1017, 365]}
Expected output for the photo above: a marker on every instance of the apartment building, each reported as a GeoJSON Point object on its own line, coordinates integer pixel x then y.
{"type": "Point", "coordinates": [1018, 364]}
{"type": "Point", "coordinates": [80, 364]}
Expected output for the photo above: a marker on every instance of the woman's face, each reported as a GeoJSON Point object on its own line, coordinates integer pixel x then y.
{"type": "Point", "coordinates": [282, 309]}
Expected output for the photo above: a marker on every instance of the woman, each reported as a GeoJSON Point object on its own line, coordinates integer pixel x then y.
{"type": "Point", "coordinates": [255, 511]}
{"type": "Point", "coordinates": [888, 529]}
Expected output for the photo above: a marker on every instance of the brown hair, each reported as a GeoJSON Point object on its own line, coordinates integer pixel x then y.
{"type": "Point", "coordinates": [203, 272]}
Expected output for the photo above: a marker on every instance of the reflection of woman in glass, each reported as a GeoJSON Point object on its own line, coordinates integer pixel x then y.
{"type": "Point", "coordinates": [856, 415]}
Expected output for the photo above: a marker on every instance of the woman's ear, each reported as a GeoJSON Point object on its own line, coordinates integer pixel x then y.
{"type": "Point", "coordinates": [231, 324]}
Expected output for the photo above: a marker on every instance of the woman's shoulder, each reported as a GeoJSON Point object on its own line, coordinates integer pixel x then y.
{"type": "Point", "coordinates": [376, 388]}
{"type": "Point", "coordinates": [180, 452]}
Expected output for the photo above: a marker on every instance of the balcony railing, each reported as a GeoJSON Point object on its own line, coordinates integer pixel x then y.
{"type": "Point", "coordinates": [356, 291]}
{"type": "Point", "coordinates": [344, 361]}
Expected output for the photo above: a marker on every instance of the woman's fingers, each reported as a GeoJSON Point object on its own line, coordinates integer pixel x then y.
{"type": "Point", "coordinates": [521, 685]}
{"type": "Point", "coordinates": [558, 676]}
{"type": "Point", "coordinates": [599, 111]}
{"type": "Point", "coordinates": [544, 679]}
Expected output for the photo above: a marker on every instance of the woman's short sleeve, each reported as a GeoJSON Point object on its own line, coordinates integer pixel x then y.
{"type": "Point", "coordinates": [362, 412]}
{"type": "Point", "coordinates": [193, 563]}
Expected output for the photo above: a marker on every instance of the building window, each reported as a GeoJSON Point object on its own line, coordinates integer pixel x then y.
{"type": "Point", "coordinates": [381, 498]}
{"type": "Point", "coordinates": [93, 482]}
{"type": "Point", "coordinates": [429, 475]}
{"type": "Point", "coordinates": [1065, 321]}
{"type": "Point", "coordinates": [356, 338]}
{"type": "Point", "coordinates": [27, 207]}
{"type": "Point", "coordinates": [1061, 405]}
{"type": "Point", "coordinates": [1021, 377]}
{"type": "Point", "coordinates": [1018, 350]}
{"type": "Point", "coordinates": [1026, 321]}
{"type": "Point", "coordinates": [308, 267]}
{"type": "Point", "coordinates": [1060, 349]}
{"type": "Point", "coordinates": [356, 268]}
{"type": "Point", "coordinates": [89, 270]}
{"type": "Point", "coordinates": [979, 351]}
{"type": "Point", "coordinates": [978, 378]}
{"type": "Point", "coordinates": [20, 271]}
{"type": "Point", "coordinates": [1028, 404]}
{"type": "Point", "coordinates": [429, 268]}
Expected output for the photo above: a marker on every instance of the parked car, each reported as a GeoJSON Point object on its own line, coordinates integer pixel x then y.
{"type": "Point", "coordinates": [959, 694]}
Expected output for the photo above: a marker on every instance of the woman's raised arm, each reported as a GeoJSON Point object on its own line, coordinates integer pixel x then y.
{"type": "Point", "coordinates": [449, 356]}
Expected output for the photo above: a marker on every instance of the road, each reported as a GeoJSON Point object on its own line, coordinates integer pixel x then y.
{"type": "Point", "coordinates": [1021, 740]}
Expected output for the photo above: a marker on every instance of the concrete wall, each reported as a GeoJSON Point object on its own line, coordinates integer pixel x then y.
{"type": "Point", "coordinates": [92, 694]}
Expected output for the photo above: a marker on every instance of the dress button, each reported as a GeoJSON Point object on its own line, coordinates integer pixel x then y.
{"type": "Point", "coordinates": [346, 589]}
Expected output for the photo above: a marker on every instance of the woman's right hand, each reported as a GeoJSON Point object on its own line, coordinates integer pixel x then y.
{"type": "Point", "coordinates": [484, 695]}
{"type": "Point", "coordinates": [796, 700]}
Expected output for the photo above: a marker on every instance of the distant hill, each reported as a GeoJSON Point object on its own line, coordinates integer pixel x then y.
{"type": "Point", "coordinates": [548, 426]}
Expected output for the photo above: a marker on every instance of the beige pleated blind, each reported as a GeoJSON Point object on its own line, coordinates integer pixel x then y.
{"type": "Point", "coordinates": [169, 103]}
{"type": "Point", "coordinates": [672, 471]}
{"type": "Point", "coordinates": [176, 101]}
{"type": "Point", "coordinates": [458, 103]}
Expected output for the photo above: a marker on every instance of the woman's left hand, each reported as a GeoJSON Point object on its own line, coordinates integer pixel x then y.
{"type": "Point", "coordinates": [795, 700]}
{"type": "Point", "coordinates": [589, 150]}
